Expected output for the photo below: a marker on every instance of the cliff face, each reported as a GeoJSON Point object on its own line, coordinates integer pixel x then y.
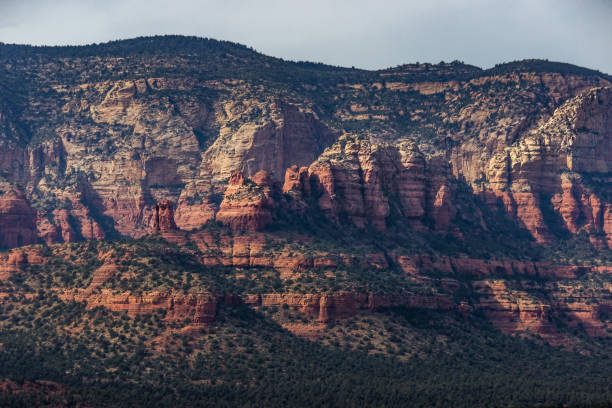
{"type": "Point", "coordinates": [365, 182]}
{"type": "Point", "coordinates": [377, 184]}
{"type": "Point", "coordinates": [422, 172]}
{"type": "Point", "coordinates": [284, 135]}
{"type": "Point", "coordinates": [516, 307]}
{"type": "Point", "coordinates": [548, 166]}
{"type": "Point", "coordinates": [106, 151]}
{"type": "Point", "coordinates": [147, 147]}
{"type": "Point", "coordinates": [373, 182]}
{"type": "Point", "coordinates": [163, 220]}
{"type": "Point", "coordinates": [17, 220]}
{"type": "Point", "coordinates": [199, 309]}
{"type": "Point", "coordinates": [247, 204]}
{"type": "Point", "coordinates": [362, 181]}
{"type": "Point", "coordinates": [324, 308]}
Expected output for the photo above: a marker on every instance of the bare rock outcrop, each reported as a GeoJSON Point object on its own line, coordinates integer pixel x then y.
{"type": "Point", "coordinates": [163, 219]}
{"type": "Point", "coordinates": [12, 262]}
{"type": "Point", "coordinates": [199, 308]}
{"type": "Point", "coordinates": [17, 220]}
{"type": "Point", "coordinates": [326, 307]}
{"type": "Point", "coordinates": [374, 183]}
{"type": "Point", "coordinates": [543, 168]}
{"type": "Point", "coordinates": [285, 135]}
{"type": "Point", "coordinates": [247, 204]}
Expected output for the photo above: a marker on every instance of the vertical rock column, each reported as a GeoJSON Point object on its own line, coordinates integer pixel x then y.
{"type": "Point", "coordinates": [164, 217]}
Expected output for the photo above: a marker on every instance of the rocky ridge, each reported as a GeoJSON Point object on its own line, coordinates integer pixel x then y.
{"type": "Point", "coordinates": [439, 159]}
{"type": "Point", "coordinates": [106, 151]}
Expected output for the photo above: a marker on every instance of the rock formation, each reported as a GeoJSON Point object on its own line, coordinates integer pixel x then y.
{"type": "Point", "coordinates": [163, 220]}
{"type": "Point", "coordinates": [110, 148]}
{"type": "Point", "coordinates": [12, 262]}
{"type": "Point", "coordinates": [374, 183]}
{"type": "Point", "coordinates": [247, 204]}
{"type": "Point", "coordinates": [451, 156]}
{"type": "Point", "coordinates": [17, 220]}
{"type": "Point", "coordinates": [547, 167]}
{"type": "Point", "coordinates": [200, 309]}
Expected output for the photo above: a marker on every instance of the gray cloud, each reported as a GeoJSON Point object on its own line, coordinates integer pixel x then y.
{"type": "Point", "coordinates": [367, 34]}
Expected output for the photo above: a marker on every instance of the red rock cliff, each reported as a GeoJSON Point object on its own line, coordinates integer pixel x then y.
{"type": "Point", "coordinates": [163, 218]}
{"type": "Point", "coordinates": [17, 220]}
{"type": "Point", "coordinates": [247, 204]}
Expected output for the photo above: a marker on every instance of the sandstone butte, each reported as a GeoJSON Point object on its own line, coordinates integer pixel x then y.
{"type": "Point", "coordinates": [119, 157]}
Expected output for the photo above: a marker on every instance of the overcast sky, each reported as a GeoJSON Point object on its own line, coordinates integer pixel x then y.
{"type": "Point", "coordinates": [365, 34]}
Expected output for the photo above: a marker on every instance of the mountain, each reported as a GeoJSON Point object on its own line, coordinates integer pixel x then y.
{"type": "Point", "coordinates": [185, 216]}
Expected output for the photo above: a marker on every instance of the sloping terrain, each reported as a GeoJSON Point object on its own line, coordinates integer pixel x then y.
{"type": "Point", "coordinates": [185, 219]}
{"type": "Point", "coordinates": [138, 323]}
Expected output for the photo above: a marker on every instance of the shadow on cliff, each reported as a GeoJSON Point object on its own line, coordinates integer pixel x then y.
{"type": "Point", "coordinates": [92, 200]}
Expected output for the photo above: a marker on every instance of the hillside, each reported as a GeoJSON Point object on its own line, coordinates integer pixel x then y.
{"type": "Point", "coordinates": [187, 214]}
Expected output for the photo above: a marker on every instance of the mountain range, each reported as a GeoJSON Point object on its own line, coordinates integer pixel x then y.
{"type": "Point", "coordinates": [185, 220]}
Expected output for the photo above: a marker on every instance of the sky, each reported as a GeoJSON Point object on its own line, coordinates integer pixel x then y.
{"type": "Point", "coordinates": [364, 34]}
